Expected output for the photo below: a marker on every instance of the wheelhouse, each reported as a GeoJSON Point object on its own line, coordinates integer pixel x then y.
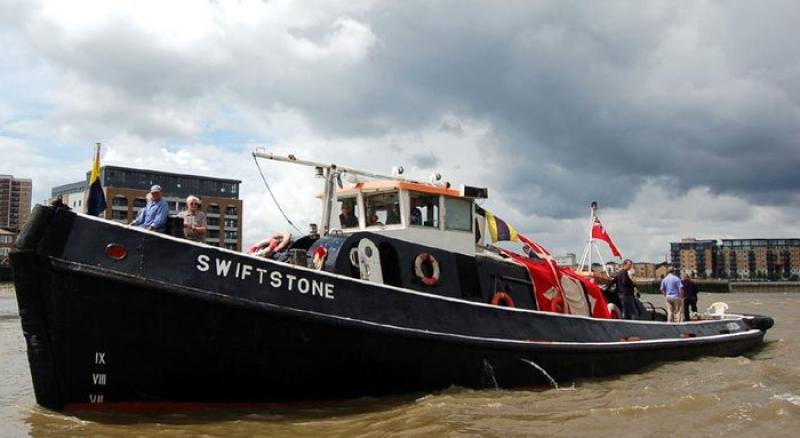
{"type": "Point", "coordinates": [429, 214]}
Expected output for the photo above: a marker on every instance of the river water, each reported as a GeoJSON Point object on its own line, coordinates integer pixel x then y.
{"type": "Point", "coordinates": [754, 395]}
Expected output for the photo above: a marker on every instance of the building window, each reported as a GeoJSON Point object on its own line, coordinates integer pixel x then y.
{"type": "Point", "coordinates": [231, 235]}
{"type": "Point", "coordinates": [139, 203]}
{"type": "Point", "coordinates": [212, 221]}
{"type": "Point", "coordinates": [119, 201]}
{"type": "Point", "coordinates": [119, 215]}
{"type": "Point", "coordinates": [213, 209]}
{"type": "Point", "coordinates": [213, 234]}
{"type": "Point", "coordinates": [231, 210]}
{"type": "Point", "coordinates": [231, 223]}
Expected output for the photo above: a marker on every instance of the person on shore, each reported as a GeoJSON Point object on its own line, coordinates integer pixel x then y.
{"type": "Point", "coordinates": [626, 292]}
{"type": "Point", "coordinates": [195, 226]}
{"type": "Point", "coordinates": [672, 288]}
{"type": "Point", "coordinates": [690, 301]}
{"type": "Point", "coordinates": [154, 215]}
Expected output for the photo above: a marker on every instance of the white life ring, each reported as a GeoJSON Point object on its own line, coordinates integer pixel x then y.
{"type": "Point", "coordinates": [275, 243]}
{"type": "Point", "coordinates": [431, 280]}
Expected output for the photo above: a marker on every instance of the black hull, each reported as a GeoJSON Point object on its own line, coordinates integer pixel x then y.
{"type": "Point", "coordinates": [156, 328]}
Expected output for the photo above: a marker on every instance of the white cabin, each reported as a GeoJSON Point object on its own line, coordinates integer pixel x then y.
{"type": "Point", "coordinates": [428, 214]}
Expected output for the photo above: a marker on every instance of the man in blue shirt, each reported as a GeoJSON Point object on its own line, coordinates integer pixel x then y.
{"type": "Point", "coordinates": [672, 288]}
{"type": "Point", "coordinates": [154, 215]}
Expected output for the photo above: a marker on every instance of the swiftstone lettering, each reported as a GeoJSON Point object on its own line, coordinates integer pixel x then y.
{"type": "Point", "coordinates": [225, 268]}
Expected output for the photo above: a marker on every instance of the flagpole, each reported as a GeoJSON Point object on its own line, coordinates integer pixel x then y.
{"type": "Point", "coordinates": [587, 251]}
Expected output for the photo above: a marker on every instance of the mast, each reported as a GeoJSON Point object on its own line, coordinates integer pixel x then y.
{"type": "Point", "coordinates": [330, 173]}
{"type": "Point", "coordinates": [586, 258]}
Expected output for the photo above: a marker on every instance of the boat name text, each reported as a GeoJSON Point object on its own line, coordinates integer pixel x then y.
{"type": "Point", "coordinates": [276, 279]}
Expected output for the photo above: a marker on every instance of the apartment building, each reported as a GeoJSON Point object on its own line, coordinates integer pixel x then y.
{"type": "Point", "coordinates": [15, 202]}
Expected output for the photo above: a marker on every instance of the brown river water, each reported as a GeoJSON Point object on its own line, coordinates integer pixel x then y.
{"type": "Point", "coordinates": [753, 395]}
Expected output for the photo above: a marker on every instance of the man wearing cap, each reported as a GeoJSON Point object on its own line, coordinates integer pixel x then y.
{"type": "Point", "coordinates": [154, 215]}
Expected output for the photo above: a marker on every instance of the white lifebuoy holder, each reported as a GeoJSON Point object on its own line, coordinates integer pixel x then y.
{"type": "Point", "coordinates": [320, 254]}
{"type": "Point", "coordinates": [431, 280]}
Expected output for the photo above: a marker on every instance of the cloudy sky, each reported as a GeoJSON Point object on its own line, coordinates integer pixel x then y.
{"type": "Point", "coordinates": [679, 118]}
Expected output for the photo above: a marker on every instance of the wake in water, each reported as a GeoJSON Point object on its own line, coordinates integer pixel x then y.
{"type": "Point", "coordinates": [549, 377]}
{"type": "Point", "coordinates": [488, 375]}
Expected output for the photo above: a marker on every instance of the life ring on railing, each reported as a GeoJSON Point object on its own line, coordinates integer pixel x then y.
{"type": "Point", "coordinates": [428, 280]}
{"type": "Point", "coordinates": [503, 297]}
{"type": "Point", "coordinates": [320, 254]}
{"type": "Point", "coordinates": [557, 304]}
{"type": "Point", "coordinates": [277, 242]}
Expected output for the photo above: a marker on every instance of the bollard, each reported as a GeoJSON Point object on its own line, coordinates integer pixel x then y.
{"type": "Point", "coordinates": [298, 257]}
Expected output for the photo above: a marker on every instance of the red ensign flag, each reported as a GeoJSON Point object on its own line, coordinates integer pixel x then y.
{"type": "Point", "coordinates": [599, 233]}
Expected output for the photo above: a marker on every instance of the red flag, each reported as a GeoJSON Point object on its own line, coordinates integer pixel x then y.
{"type": "Point", "coordinates": [599, 233]}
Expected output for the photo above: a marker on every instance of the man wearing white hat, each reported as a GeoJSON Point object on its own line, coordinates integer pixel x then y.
{"type": "Point", "coordinates": [154, 215]}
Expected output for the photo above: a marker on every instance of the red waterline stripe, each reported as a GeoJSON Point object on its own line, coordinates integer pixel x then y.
{"type": "Point", "coordinates": [156, 407]}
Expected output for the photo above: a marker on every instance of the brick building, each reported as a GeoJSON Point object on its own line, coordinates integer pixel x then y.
{"type": "Point", "coordinates": [694, 256]}
{"type": "Point", "coordinates": [126, 188]}
{"type": "Point", "coordinates": [15, 202]}
{"type": "Point", "coordinates": [738, 258]}
{"type": "Point", "coordinates": [7, 239]}
{"type": "Point", "coordinates": [760, 258]}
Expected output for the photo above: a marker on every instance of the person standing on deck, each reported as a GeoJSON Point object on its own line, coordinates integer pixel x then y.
{"type": "Point", "coordinates": [672, 288]}
{"type": "Point", "coordinates": [154, 215]}
{"type": "Point", "coordinates": [690, 302]}
{"type": "Point", "coordinates": [625, 290]}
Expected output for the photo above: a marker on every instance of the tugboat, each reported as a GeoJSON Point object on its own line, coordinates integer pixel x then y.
{"type": "Point", "coordinates": [399, 291]}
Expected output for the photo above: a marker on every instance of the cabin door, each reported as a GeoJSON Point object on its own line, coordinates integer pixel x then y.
{"type": "Point", "coordinates": [369, 261]}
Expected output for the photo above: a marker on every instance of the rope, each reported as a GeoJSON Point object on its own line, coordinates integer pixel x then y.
{"type": "Point", "coordinates": [263, 178]}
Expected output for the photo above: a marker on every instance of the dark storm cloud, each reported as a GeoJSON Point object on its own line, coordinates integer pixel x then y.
{"type": "Point", "coordinates": [593, 100]}
{"type": "Point", "coordinates": [587, 101]}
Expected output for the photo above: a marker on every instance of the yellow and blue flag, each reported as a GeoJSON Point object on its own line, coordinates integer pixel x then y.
{"type": "Point", "coordinates": [499, 229]}
{"type": "Point", "coordinates": [97, 199]}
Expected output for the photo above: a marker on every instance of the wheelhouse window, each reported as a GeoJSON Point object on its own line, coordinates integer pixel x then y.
{"type": "Point", "coordinates": [424, 210]}
{"type": "Point", "coordinates": [348, 218]}
{"type": "Point", "coordinates": [382, 209]}
{"type": "Point", "coordinates": [458, 214]}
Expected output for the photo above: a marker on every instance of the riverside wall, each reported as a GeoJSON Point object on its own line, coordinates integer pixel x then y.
{"type": "Point", "coordinates": [649, 286]}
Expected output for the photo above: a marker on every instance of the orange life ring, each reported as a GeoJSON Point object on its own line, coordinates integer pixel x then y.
{"type": "Point", "coordinates": [503, 297]}
{"type": "Point", "coordinates": [557, 304]}
{"type": "Point", "coordinates": [431, 280]}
